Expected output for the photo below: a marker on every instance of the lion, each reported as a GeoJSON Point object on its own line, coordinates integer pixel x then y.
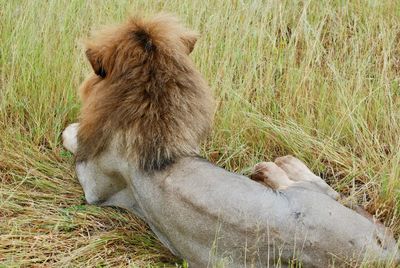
{"type": "Point", "coordinates": [145, 111]}
{"type": "Point", "coordinates": [146, 88]}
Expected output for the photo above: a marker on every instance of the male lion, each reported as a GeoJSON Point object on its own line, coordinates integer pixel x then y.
{"type": "Point", "coordinates": [145, 111]}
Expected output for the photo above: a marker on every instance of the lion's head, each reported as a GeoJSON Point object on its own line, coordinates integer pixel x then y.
{"type": "Point", "coordinates": [145, 93]}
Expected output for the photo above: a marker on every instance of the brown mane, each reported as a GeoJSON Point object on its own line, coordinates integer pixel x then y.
{"type": "Point", "coordinates": [145, 93]}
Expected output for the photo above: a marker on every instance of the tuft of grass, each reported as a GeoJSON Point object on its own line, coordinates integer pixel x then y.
{"type": "Point", "coordinates": [316, 79]}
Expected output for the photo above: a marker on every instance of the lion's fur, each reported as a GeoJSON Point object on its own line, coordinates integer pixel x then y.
{"type": "Point", "coordinates": [146, 91]}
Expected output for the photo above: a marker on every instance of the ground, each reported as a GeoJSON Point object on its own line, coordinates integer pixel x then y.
{"type": "Point", "coordinates": [315, 79]}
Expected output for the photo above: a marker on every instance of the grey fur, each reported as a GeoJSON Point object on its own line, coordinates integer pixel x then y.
{"type": "Point", "coordinates": [210, 216]}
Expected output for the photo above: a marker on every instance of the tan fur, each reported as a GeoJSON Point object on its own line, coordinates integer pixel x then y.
{"type": "Point", "coordinates": [146, 91]}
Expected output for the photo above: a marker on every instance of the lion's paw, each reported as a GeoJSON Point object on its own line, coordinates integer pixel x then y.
{"type": "Point", "coordinates": [271, 175]}
{"type": "Point", "coordinates": [289, 171]}
{"type": "Point", "coordinates": [69, 137]}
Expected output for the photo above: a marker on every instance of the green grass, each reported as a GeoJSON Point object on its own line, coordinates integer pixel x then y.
{"type": "Point", "coordinates": [316, 79]}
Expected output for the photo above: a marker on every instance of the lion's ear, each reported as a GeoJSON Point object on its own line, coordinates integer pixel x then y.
{"type": "Point", "coordinates": [189, 40]}
{"type": "Point", "coordinates": [96, 62]}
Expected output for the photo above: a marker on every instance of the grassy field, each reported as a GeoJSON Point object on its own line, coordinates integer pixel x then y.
{"type": "Point", "coordinates": [316, 79]}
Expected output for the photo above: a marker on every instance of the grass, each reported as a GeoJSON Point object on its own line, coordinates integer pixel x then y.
{"type": "Point", "coordinates": [316, 79]}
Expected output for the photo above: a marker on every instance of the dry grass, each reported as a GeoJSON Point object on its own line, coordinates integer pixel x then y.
{"type": "Point", "coordinates": [316, 79]}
